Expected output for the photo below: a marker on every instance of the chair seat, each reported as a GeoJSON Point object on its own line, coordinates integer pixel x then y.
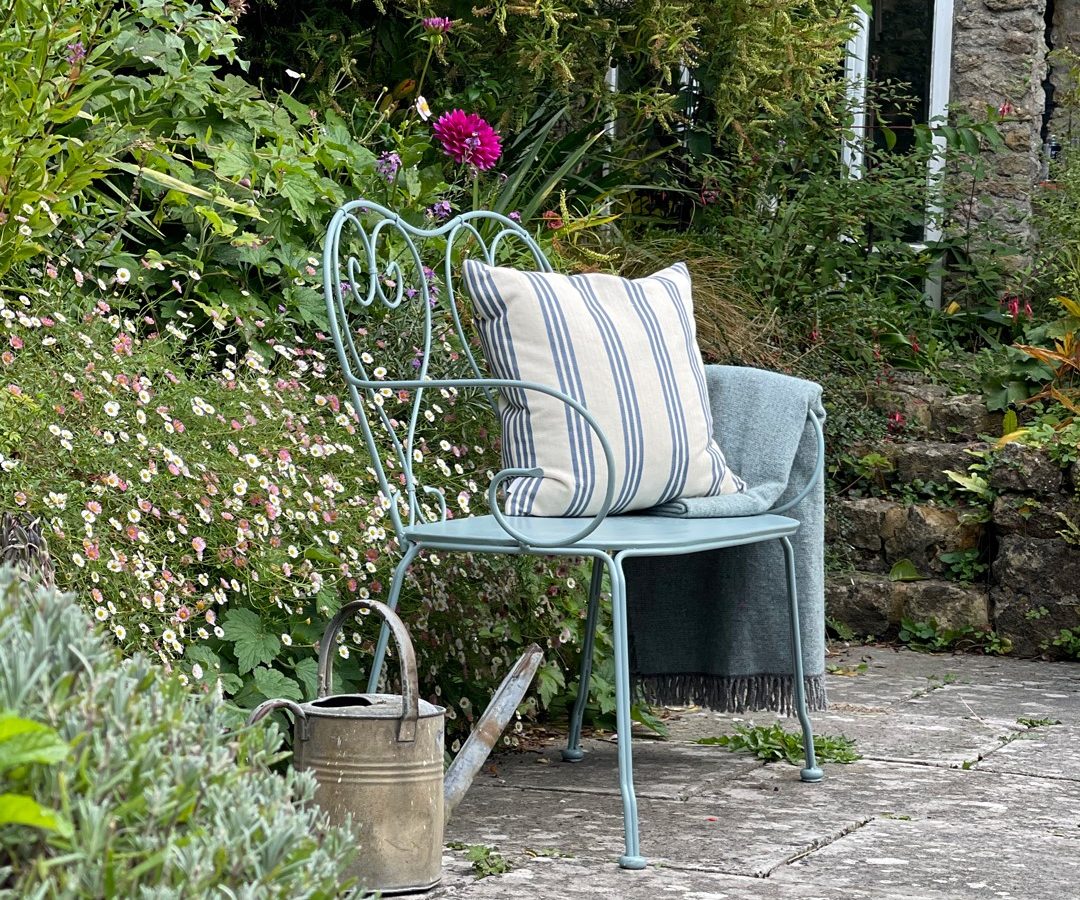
{"type": "Point", "coordinates": [645, 535]}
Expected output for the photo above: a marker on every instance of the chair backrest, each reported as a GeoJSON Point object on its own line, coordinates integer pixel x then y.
{"type": "Point", "coordinates": [383, 294]}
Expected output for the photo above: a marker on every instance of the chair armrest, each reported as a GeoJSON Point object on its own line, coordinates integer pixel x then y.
{"type": "Point", "coordinates": [819, 469]}
{"type": "Point", "coordinates": [487, 384]}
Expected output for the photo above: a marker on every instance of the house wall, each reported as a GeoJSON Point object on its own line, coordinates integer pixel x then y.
{"type": "Point", "coordinates": [999, 55]}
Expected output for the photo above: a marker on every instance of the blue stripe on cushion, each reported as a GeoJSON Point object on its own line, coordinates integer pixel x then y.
{"type": "Point", "coordinates": [716, 458]}
{"type": "Point", "coordinates": [676, 421]}
{"type": "Point", "coordinates": [494, 327]}
{"type": "Point", "coordinates": [629, 410]}
{"type": "Point", "coordinates": [560, 342]}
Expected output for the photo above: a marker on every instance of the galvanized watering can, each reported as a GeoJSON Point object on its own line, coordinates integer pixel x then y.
{"type": "Point", "coordinates": [378, 759]}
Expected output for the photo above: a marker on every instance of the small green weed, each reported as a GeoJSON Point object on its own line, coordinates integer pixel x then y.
{"type": "Point", "coordinates": [771, 744]}
{"type": "Point", "coordinates": [485, 860]}
{"type": "Point", "coordinates": [1068, 641]}
{"type": "Point", "coordinates": [964, 565]}
{"type": "Point", "coordinates": [548, 853]}
{"type": "Point", "coordinates": [1038, 723]}
{"type": "Point", "coordinates": [842, 631]}
{"type": "Point", "coordinates": [848, 671]}
{"type": "Point", "coordinates": [930, 637]}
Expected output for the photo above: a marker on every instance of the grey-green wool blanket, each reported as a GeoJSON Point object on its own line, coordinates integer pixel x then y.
{"type": "Point", "coordinates": [712, 628]}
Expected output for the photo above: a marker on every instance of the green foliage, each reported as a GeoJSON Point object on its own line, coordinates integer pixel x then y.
{"type": "Point", "coordinates": [165, 791]}
{"type": "Point", "coordinates": [1068, 642]}
{"type": "Point", "coordinates": [772, 743]}
{"type": "Point", "coordinates": [1058, 206]}
{"type": "Point", "coordinates": [930, 637]}
{"type": "Point", "coordinates": [486, 860]}
{"type": "Point", "coordinates": [750, 57]}
{"type": "Point", "coordinates": [24, 742]}
{"type": "Point", "coordinates": [213, 508]}
{"type": "Point", "coordinates": [905, 570]}
{"type": "Point", "coordinates": [150, 162]}
{"type": "Point", "coordinates": [964, 565]}
{"type": "Point", "coordinates": [1038, 723]}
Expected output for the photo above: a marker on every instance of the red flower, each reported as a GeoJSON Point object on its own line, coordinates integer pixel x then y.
{"type": "Point", "coordinates": [552, 219]}
{"type": "Point", "coordinates": [468, 139]}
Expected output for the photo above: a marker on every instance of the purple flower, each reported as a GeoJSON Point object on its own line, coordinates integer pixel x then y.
{"type": "Point", "coordinates": [388, 165]}
{"type": "Point", "coordinates": [437, 24]}
{"type": "Point", "coordinates": [515, 215]}
{"type": "Point", "coordinates": [440, 209]}
{"type": "Point", "coordinates": [467, 138]}
{"type": "Point", "coordinates": [76, 53]}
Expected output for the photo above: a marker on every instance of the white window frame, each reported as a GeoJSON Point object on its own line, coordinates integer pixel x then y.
{"type": "Point", "coordinates": [855, 72]}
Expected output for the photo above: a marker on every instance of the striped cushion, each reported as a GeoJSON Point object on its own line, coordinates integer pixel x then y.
{"type": "Point", "coordinates": [627, 351]}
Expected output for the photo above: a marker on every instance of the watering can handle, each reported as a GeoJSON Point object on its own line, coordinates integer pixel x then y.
{"type": "Point", "coordinates": [298, 714]}
{"type": "Point", "coordinates": [410, 686]}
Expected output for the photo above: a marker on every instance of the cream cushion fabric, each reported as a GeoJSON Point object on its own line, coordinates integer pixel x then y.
{"type": "Point", "coordinates": [627, 351]}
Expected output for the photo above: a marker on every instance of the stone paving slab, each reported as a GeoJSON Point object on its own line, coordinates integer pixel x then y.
{"type": "Point", "coordinates": [578, 880]}
{"type": "Point", "coordinates": [905, 823]}
{"type": "Point", "coordinates": [1056, 697]}
{"type": "Point", "coordinates": [718, 835]}
{"type": "Point", "coordinates": [934, 860]}
{"type": "Point", "coordinates": [660, 773]}
{"type": "Point", "coordinates": [872, 789]}
{"type": "Point", "coordinates": [1046, 752]}
{"type": "Point", "coordinates": [934, 740]}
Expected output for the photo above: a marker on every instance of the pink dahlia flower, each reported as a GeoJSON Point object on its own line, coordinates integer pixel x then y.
{"type": "Point", "coordinates": [468, 139]}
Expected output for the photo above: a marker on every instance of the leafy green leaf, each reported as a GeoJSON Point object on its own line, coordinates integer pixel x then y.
{"type": "Point", "coordinates": [252, 642]}
{"type": "Point", "coordinates": [18, 809]}
{"type": "Point", "coordinates": [274, 684]}
{"type": "Point", "coordinates": [23, 741]}
{"type": "Point", "coordinates": [307, 672]}
{"type": "Point", "coordinates": [904, 570]}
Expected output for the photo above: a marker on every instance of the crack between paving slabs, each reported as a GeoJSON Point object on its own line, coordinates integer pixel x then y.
{"type": "Point", "coordinates": [814, 846]}
{"type": "Point", "coordinates": [801, 853]}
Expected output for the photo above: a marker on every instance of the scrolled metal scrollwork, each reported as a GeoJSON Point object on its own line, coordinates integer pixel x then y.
{"type": "Point", "coordinates": [381, 271]}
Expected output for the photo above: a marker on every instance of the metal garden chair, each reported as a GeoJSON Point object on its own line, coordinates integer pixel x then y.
{"type": "Point", "coordinates": [371, 259]}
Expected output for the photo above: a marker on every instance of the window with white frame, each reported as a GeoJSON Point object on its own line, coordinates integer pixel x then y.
{"type": "Point", "coordinates": [907, 42]}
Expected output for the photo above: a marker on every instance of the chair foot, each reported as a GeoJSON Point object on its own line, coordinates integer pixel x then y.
{"type": "Point", "coordinates": [573, 755]}
{"type": "Point", "coordinates": [632, 862]}
{"type": "Point", "coordinates": [812, 775]}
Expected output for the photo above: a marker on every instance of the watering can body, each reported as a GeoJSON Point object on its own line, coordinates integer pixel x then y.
{"type": "Point", "coordinates": [378, 761]}
{"type": "Point", "coordinates": [391, 790]}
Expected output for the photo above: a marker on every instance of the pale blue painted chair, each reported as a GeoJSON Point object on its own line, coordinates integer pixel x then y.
{"type": "Point", "coordinates": [373, 258]}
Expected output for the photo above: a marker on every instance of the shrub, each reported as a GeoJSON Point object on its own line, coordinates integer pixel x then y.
{"type": "Point", "coordinates": [215, 508]}
{"type": "Point", "coordinates": [137, 153]}
{"type": "Point", "coordinates": [165, 795]}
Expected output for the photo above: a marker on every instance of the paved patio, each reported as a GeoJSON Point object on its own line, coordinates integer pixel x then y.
{"type": "Point", "coordinates": [954, 798]}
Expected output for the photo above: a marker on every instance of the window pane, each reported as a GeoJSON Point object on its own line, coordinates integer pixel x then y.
{"type": "Point", "coordinates": [901, 42]}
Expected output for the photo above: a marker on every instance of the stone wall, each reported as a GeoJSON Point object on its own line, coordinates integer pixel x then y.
{"type": "Point", "coordinates": [999, 55]}
{"type": "Point", "coordinates": [1031, 587]}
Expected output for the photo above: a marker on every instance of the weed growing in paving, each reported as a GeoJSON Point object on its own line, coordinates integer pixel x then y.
{"type": "Point", "coordinates": [485, 860]}
{"type": "Point", "coordinates": [771, 744]}
{"type": "Point", "coordinates": [930, 637]}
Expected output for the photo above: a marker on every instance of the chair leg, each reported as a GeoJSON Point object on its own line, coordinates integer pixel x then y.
{"type": "Point", "coordinates": [632, 859]}
{"type": "Point", "coordinates": [392, 600]}
{"type": "Point", "coordinates": [812, 772]}
{"type": "Point", "coordinates": [573, 751]}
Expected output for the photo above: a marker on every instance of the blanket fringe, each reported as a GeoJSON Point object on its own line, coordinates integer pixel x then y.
{"type": "Point", "coordinates": [740, 694]}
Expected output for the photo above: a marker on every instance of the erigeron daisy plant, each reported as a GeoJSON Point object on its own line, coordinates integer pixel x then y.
{"type": "Point", "coordinates": [215, 506]}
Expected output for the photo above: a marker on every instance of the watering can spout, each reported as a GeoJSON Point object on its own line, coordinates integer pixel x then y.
{"type": "Point", "coordinates": [488, 730]}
